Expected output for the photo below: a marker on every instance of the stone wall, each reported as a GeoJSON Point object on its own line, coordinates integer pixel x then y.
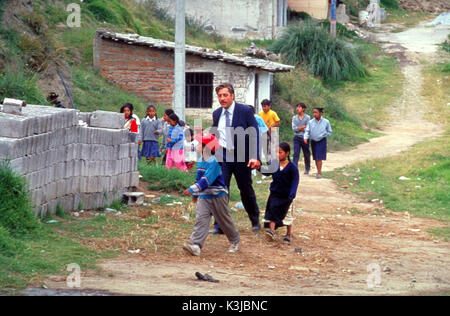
{"type": "Point", "coordinates": [66, 162]}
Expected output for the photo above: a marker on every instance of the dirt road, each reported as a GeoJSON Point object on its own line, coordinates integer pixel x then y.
{"type": "Point", "coordinates": [335, 251]}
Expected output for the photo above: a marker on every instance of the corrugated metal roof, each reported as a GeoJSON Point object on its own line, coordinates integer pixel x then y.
{"type": "Point", "coordinates": [241, 60]}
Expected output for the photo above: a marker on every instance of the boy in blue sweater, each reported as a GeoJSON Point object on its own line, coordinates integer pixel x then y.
{"type": "Point", "coordinates": [211, 195]}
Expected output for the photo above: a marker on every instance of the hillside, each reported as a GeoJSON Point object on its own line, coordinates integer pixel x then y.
{"type": "Point", "coordinates": [40, 53]}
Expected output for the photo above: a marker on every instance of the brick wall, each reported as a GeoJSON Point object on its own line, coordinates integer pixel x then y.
{"type": "Point", "coordinates": [143, 71]}
{"type": "Point", "coordinates": [149, 72]}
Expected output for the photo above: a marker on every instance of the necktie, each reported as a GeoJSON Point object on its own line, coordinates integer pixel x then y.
{"type": "Point", "coordinates": [229, 138]}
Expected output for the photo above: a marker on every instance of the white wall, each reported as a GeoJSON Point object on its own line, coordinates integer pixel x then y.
{"type": "Point", "coordinates": [241, 19]}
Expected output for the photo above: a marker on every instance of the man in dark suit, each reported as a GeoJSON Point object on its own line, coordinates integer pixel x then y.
{"type": "Point", "coordinates": [237, 131]}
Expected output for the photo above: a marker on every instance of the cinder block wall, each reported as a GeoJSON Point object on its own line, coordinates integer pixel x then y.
{"type": "Point", "coordinates": [67, 164]}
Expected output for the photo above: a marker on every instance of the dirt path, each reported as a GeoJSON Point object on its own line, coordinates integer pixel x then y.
{"type": "Point", "coordinates": [333, 248]}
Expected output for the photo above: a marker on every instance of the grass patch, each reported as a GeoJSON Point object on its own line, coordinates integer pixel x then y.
{"type": "Point", "coordinates": [29, 249]}
{"type": "Point", "coordinates": [368, 98]}
{"type": "Point", "coordinates": [435, 90]}
{"type": "Point", "coordinates": [441, 232]}
{"type": "Point", "coordinates": [298, 86]}
{"type": "Point", "coordinates": [167, 180]}
{"type": "Point", "coordinates": [406, 19]}
{"type": "Point", "coordinates": [427, 165]}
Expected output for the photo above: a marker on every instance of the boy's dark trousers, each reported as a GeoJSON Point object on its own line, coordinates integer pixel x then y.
{"type": "Point", "coordinates": [300, 144]}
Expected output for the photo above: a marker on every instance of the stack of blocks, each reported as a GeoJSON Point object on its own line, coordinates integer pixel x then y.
{"type": "Point", "coordinates": [66, 163]}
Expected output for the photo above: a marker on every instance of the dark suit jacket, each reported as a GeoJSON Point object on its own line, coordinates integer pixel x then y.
{"type": "Point", "coordinates": [242, 117]}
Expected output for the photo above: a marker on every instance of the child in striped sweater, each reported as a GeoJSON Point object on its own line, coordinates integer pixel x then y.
{"type": "Point", "coordinates": [211, 195]}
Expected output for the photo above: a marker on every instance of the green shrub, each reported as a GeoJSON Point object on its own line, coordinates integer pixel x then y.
{"type": "Point", "coordinates": [332, 59]}
{"type": "Point", "coordinates": [16, 213]}
{"type": "Point", "coordinates": [390, 4]}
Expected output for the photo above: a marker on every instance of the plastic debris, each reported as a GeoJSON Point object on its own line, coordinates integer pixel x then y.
{"type": "Point", "coordinates": [239, 205]}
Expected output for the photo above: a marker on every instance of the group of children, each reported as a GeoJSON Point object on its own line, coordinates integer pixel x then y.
{"type": "Point", "coordinates": [209, 191]}
{"type": "Point", "coordinates": [178, 148]}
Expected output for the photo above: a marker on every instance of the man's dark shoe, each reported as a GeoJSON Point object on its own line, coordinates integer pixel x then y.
{"type": "Point", "coordinates": [306, 171]}
{"type": "Point", "coordinates": [256, 228]}
{"type": "Point", "coordinates": [216, 231]}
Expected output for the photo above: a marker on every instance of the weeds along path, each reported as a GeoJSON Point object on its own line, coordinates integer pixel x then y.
{"type": "Point", "coordinates": [337, 238]}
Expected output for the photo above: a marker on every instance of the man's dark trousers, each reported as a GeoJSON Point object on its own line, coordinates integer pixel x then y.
{"type": "Point", "coordinates": [300, 144]}
{"type": "Point", "coordinates": [243, 176]}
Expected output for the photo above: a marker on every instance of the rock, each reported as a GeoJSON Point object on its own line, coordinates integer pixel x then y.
{"type": "Point", "coordinates": [134, 251]}
{"type": "Point", "coordinates": [387, 269]}
{"type": "Point", "coordinates": [76, 214]}
{"type": "Point", "coordinates": [271, 267]}
{"type": "Point", "coordinates": [403, 178]}
{"type": "Point", "coordinates": [110, 210]}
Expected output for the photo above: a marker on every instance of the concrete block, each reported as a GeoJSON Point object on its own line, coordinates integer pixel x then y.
{"type": "Point", "coordinates": [134, 179]}
{"type": "Point", "coordinates": [10, 148]}
{"type": "Point", "coordinates": [19, 165]}
{"type": "Point", "coordinates": [124, 151]}
{"type": "Point", "coordinates": [85, 117]}
{"type": "Point", "coordinates": [134, 198]}
{"type": "Point", "coordinates": [14, 126]}
{"type": "Point", "coordinates": [13, 106]}
{"type": "Point", "coordinates": [71, 135]}
{"type": "Point", "coordinates": [110, 120]}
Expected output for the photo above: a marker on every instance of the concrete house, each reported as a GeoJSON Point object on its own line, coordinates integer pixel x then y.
{"type": "Point", "coordinates": [240, 19]}
{"type": "Point", "coordinates": [145, 66]}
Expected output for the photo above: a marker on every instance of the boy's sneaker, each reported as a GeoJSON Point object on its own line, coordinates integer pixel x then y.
{"type": "Point", "coordinates": [192, 249]}
{"type": "Point", "coordinates": [234, 248]}
{"type": "Point", "coordinates": [270, 236]}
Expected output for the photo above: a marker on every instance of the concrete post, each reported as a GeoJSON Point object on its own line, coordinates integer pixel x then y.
{"type": "Point", "coordinates": [180, 60]}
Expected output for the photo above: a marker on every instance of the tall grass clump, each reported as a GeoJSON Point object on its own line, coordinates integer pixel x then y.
{"type": "Point", "coordinates": [16, 213]}
{"type": "Point", "coordinates": [332, 59]}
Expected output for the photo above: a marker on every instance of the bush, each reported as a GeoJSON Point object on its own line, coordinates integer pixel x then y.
{"type": "Point", "coordinates": [16, 213]}
{"type": "Point", "coordinates": [390, 4]}
{"type": "Point", "coordinates": [332, 59]}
